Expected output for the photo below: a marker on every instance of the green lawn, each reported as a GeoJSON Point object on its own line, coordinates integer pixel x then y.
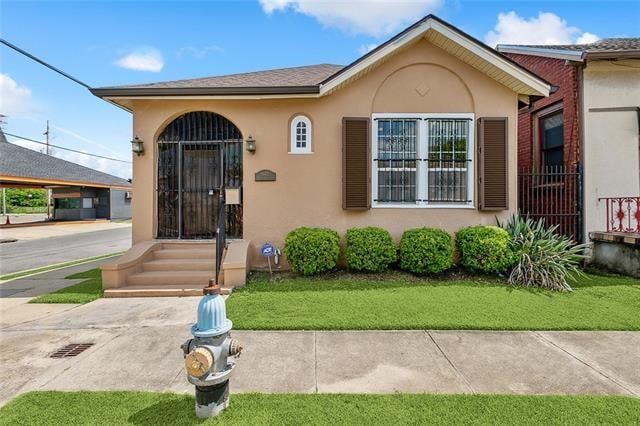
{"type": "Point", "coordinates": [84, 292]}
{"type": "Point", "coordinates": [47, 268]}
{"type": "Point", "coordinates": [343, 301]}
{"type": "Point", "coordinates": [144, 408]}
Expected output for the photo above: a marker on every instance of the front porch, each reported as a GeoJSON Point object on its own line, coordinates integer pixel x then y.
{"type": "Point", "coordinates": [174, 268]}
{"type": "Point", "coordinates": [618, 248]}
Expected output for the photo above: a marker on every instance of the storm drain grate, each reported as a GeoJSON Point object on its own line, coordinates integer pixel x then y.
{"type": "Point", "coordinates": [72, 349]}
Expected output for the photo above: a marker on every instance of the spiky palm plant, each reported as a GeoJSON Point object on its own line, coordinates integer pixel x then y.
{"type": "Point", "coordinates": [546, 258]}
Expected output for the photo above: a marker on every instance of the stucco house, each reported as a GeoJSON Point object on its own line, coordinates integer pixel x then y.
{"type": "Point", "coordinates": [592, 121]}
{"type": "Point", "coordinates": [421, 131]}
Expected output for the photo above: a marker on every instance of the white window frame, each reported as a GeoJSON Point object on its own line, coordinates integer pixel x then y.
{"type": "Point", "coordinates": [293, 149]}
{"type": "Point", "coordinates": [422, 183]}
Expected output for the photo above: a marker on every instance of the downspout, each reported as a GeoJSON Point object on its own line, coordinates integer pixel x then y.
{"type": "Point", "coordinates": [581, 139]}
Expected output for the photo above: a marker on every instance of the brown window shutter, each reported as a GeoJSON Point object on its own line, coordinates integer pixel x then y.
{"type": "Point", "coordinates": [493, 163]}
{"type": "Point", "coordinates": [356, 164]}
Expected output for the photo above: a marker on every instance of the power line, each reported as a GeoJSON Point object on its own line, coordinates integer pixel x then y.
{"type": "Point", "coordinates": [40, 61]}
{"type": "Point", "coordinates": [67, 149]}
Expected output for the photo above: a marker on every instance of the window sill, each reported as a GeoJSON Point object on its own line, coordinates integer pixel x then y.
{"type": "Point", "coordinates": [301, 152]}
{"type": "Point", "coordinates": [423, 206]}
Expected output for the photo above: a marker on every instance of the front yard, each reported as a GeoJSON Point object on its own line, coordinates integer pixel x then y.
{"type": "Point", "coordinates": [394, 300]}
{"type": "Point", "coordinates": [145, 408]}
{"type": "Point", "coordinates": [84, 292]}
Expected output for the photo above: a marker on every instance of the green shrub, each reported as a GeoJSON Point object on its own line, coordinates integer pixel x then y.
{"type": "Point", "coordinates": [544, 258]}
{"type": "Point", "coordinates": [310, 251]}
{"type": "Point", "coordinates": [369, 249]}
{"type": "Point", "coordinates": [426, 251]}
{"type": "Point", "coordinates": [485, 248]}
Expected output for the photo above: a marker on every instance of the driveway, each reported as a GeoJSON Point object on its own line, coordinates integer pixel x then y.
{"type": "Point", "coordinates": [44, 245]}
{"type": "Point", "coordinates": [136, 347]}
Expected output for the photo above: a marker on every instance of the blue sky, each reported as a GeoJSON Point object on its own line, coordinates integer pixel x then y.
{"type": "Point", "coordinates": [109, 43]}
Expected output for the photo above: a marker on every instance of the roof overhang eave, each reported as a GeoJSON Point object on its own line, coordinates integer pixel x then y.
{"type": "Point", "coordinates": [568, 55]}
{"type": "Point", "coordinates": [622, 54]}
{"type": "Point", "coordinates": [122, 97]}
{"type": "Point", "coordinates": [8, 179]}
{"type": "Point", "coordinates": [123, 92]}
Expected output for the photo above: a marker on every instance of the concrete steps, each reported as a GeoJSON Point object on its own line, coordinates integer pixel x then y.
{"type": "Point", "coordinates": [185, 253]}
{"type": "Point", "coordinates": [156, 269]}
{"type": "Point", "coordinates": [171, 270]}
{"type": "Point", "coordinates": [179, 265]}
{"type": "Point", "coordinates": [170, 278]}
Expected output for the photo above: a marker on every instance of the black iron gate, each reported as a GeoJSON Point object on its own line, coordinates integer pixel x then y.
{"type": "Point", "coordinates": [199, 154]}
{"type": "Point", "coordinates": [553, 193]}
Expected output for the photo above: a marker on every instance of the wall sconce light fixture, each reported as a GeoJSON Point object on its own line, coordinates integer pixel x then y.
{"type": "Point", "coordinates": [137, 145]}
{"type": "Point", "coordinates": [251, 144]}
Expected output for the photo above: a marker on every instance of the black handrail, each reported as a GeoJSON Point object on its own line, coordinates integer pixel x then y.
{"type": "Point", "coordinates": [221, 230]}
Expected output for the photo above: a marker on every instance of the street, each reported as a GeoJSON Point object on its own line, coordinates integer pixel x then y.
{"type": "Point", "coordinates": [77, 242]}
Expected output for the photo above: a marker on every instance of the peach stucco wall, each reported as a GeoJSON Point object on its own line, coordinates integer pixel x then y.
{"type": "Point", "coordinates": [420, 79]}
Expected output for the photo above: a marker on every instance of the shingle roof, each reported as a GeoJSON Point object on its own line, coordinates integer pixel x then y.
{"type": "Point", "coordinates": [310, 75]}
{"type": "Point", "coordinates": [608, 48]}
{"type": "Point", "coordinates": [22, 162]}
{"type": "Point", "coordinates": [604, 45]}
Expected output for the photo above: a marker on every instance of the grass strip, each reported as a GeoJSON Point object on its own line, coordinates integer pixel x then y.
{"type": "Point", "coordinates": [147, 408]}
{"type": "Point", "coordinates": [87, 291]}
{"type": "Point", "coordinates": [55, 266]}
{"type": "Point", "coordinates": [343, 301]}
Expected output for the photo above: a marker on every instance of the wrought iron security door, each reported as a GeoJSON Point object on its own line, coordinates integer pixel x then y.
{"type": "Point", "coordinates": [197, 153]}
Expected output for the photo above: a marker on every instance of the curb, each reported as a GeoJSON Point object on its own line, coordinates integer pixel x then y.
{"type": "Point", "coordinates": [55, 267]}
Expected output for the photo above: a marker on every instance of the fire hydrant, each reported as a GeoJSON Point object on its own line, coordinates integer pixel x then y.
{"type": "Point", "coordinates": [208, 357]}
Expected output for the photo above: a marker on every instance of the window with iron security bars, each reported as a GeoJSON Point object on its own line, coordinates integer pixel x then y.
{"type": "Point", "coordinates": [422, 160]}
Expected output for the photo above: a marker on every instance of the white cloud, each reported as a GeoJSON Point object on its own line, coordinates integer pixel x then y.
{"type": "Point", "coordinates": [587, 38]}
{"type": "Point", "coordinates": [143, 59]}
{"type": "Point", "coordinates": [546, 28]}
{"type": "Point", "coordinates": [366, 48]}
{"type": "Point", "coordinates": [372, 17]}
{"type": "Point", "coordinates": [14, 98]}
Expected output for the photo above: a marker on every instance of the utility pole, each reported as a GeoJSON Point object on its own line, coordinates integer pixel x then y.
{"type": "Point", "coordinates": [4, 190]}
{"type": "Point", "coordinates": [46, 133]}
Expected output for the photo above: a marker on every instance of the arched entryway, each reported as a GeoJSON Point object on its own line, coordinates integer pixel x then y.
{"type": "Point", "coordinates": [197, 152]}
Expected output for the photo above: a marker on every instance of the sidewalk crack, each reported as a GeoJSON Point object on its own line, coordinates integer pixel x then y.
{"type": "Point", "coordinates": [458, 372]}
{"type": "Point", "coordinates": [606, 376]}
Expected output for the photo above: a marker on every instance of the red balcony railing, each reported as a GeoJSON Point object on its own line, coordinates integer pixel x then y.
{"type": "Point", "coordinates": [623, 214]}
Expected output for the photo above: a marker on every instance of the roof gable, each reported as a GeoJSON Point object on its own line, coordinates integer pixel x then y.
{"type": "Point", "coordinates": [453, 41]}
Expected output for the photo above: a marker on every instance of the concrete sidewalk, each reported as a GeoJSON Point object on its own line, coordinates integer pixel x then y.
{"type": "Point", "coordinates": [136, 347]}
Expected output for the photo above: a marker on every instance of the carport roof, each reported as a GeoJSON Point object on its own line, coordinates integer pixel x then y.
{"type": "Point", "coordinates": [25, 166]}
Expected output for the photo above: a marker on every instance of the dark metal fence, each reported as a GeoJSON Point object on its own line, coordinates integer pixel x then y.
{"type": "Point", "coordinates": [553, 193]}
{"type": "Point", "coordinates": [199, 154]}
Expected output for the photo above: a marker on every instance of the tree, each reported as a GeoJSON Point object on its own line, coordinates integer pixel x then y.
{"type": "Point", "coordinates": [26, 197]}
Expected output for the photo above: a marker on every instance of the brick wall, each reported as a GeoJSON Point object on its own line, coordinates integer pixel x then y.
{"type": "Point", "coordinates": [556, 72]}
